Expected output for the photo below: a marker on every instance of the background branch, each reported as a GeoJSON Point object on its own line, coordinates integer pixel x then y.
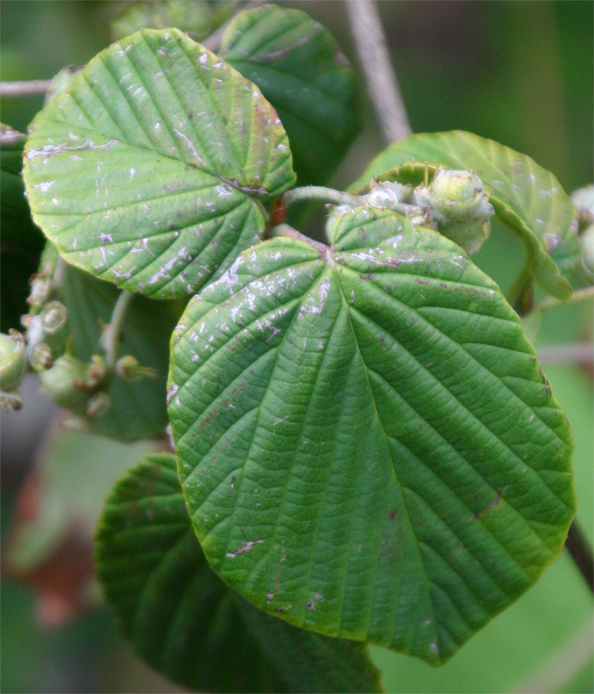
{"type": "Point", "coordinates": [31, 88]}
{"type": "Point", "coordinates": [368, 32]}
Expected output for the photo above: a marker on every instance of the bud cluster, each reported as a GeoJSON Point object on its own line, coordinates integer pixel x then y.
{"type": "Point", "coordinates": [455, 204]}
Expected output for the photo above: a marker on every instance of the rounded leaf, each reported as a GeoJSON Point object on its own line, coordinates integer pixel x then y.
{"type": "Point", "coordinates": [185, 621]}
{"type": "Point", "coordinates": [366, 443]}
{"type": "Point", "coordinates": [305, 76]}
{"type": "Point", "coordinates": [146, 169]}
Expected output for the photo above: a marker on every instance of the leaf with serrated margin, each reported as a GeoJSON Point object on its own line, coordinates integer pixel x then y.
{"type": "Point", "coordinates": [22, 241]}
{"type": "Point", "coordinates": [184, 621]}
{"type": "Point", "coordinates": [146, 170]}
{"type": "Point", "coordinates": [303, 73]}
{"type": "Point", "coordinates": [138, 408]}
{"type": "Point", "coordinates": [365, 430]}
{"type": "Point", "coordinates": [528, 198]}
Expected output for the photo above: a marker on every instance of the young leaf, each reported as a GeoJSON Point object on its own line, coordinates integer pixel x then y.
{"type": "Point", "coordinates": [137, 409]}
{"type": "Point", "coordinates": [22, 241]}
{"type": "Point", "coordinates": [146, 170]}
{"type": "Point", "coordinates": [525, 196]}
{"type": "Point", "coordinates": [305, 76]}
{"type": "Point", "coordinates": [367, 445]}
{"type": "Point", "coordinates": [185, 621]}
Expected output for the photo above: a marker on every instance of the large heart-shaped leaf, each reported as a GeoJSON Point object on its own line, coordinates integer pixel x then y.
{"type": "Point", "coordinates": [185, 621]}
{"type": "Point", "coordinates": [305, 76]}
{"type": "Point", "coordinates": [146, 169]}
{"type": "Point", "coordinates": [22, 241]}
{"type": "Point", "coordinates": [137, 408]}
{"type": "Point", "coordinates": [524, 195]}
{"type": "Point", "coordinates": [367, 445]}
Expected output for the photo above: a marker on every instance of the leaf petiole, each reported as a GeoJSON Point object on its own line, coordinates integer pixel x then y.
{"type": "Point", "coordinates": [112, 339]}
{"type": "Point", "coordinates": [336, 197]}
{"type": "Point", "coordinates": [550, 302]}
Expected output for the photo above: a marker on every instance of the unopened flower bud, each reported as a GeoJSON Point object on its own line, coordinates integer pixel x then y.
{"type": "Point", "coordinates": [587, 253]}
{"type": "Point", "coordinates": [387, 195]}
{"type": "Point", "coordinates": [53, 317]}
{"type": "Point", "coordinates": [584, 201]}
{"type": "Point", "coordinates": [130, 369]}
{"type": "Point", "coordinates": [459, 207]}
{"type": "Point", "coordinates": [94, 374]}
{"type": "Point", "coordinates": [60, 383]}
{"type": "Point", "coordinates": [98, 405]}
{"type": "Point", "coordinates": [12, 360]}
{"type": "Point", "coordinates": [41, 290]}
{"type": "Point", "coordinates": [42, 357]}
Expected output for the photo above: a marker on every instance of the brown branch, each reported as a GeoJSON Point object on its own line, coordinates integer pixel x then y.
{"type": "Point", "coordinates": [368, 32]}
{"type": "Point", "coordinates": [30, 88]}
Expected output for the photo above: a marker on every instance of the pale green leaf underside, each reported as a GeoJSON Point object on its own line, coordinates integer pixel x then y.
{"type": "Point", "coordinates": [145, 169]}
{"type": "Point", "coordinates": [305, 76]}
{"type": "Point", "coordinates": [366, 443]}
{"type": "Point", "coordinates": [185, 621]}
{"type": "Point", "coordinates": [524, 195]}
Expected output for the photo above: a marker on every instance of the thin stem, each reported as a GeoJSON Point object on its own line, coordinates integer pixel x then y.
{"type": "Point", "coordinates": [336, 197]}
{"type": "Point", "coordinates": [368, 32]}
{"type": "Point", "coordinates": [112, 339]}
{"type": "Point", "coordinates": [550, 302]}
{"type": "Point", "coordinates": [31, 88]}
{"type": "Point", "coordinates": [520, 282]}
{"type": "Point", "coordinates": [287, 230]}
{"type": "Point", "coordinates": [580, 549]}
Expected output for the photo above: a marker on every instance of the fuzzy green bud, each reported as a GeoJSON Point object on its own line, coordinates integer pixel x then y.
{"type": "Point", "coordinates": [129, 368]}
{"type": "Point", "coordinates": [53, 317]}
{"type": "Point", "coordinates": [387, 195]}
{"type": "Point", "coordinates": [60, 383]}
{"type": "Point", "coordinates": [12, 360]}
{"type": "Point", "coordinates": [459, 207]}
{"type": "Point", "coordinates": [587, 253]}
{"type": "Point", "coordinates": [41, 290]}
{"type": "Point", "coordinates": [41, 357]}
{"type": "Point", "coordinates": [584, 201]}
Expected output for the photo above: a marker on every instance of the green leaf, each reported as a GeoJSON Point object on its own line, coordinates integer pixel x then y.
{"type": "Point", "coordinates": [196, 19]}
{"type": "Point", "coordinates": [137, 408]}
{"type": "Point", "coordinates": [22, 241]}
{"type": "Point", "coordinates": [146, 169]}
{"type": "Point", "coordinates": [364, 429]}
{"type": "Point", "coordinates": [185, 621]}
{"type": "Point", "coordinates": [525, 196]}
{"type": "Point", "coordinates": [62, 80]}
{"type": "Point", "coordinates": [305, 76]}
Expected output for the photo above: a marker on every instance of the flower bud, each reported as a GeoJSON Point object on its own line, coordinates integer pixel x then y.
{"type": "Point", "coordinates": [587, 254]}
{"type": "Point", "coordinates": [130, 369]}
{"type": "Point", "coordinates": [41, 290]}
{"type": "Point", "coordinates": [41, 357]}
{"type": "Point", "coordinates": [53, 317]}
{"type": "Point", "coordinates": [12, 360]}
{"type": "Point", "coordinates": [387, 195]}
{"type": "Point", "coordinates": [94, 374]}
{"type": "Point", "coordinates": [584, 201]}
{"type": "Point", "coordinates": [459, 207]}
{"type": "Point", "coordinates": [98, 405]}
{"type": "Point", "coordinates": [60, 383]}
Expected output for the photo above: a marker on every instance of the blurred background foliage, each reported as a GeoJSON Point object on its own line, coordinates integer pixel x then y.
{"type": "Point", "coordinates": [517, 72]}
